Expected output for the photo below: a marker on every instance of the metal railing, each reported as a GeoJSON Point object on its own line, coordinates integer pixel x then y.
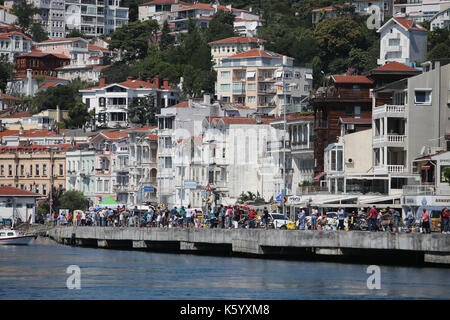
{"type": "Point", "coordinates": [425, 190]}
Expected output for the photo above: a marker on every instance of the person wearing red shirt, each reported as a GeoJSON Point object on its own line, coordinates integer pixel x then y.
{"type": "Point", "coordinates": [252, 216]}
{"type": "Point", "coordinates": [373, 214]}
{"type": "Point", "coordinates": [426, 221]}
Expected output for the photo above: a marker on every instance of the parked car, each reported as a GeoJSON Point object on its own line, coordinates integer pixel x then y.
{"type": "Point", "coordinates": [278, 220]}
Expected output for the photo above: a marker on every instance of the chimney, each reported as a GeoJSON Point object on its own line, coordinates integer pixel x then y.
{"type": "Point", "coordinates": [284, 61]}
{"type": "Point", "coordinates": [102, 80]}
{"type": "Point", "coordinates": [58, 113]}
{"type": "Point", "coordinates": [156, 81]}
{"type": "Point", "coordinates": [29, 81]}
{"type": "Point", "coordinates": [181, 83]}
{"type": "Point", "coordinates": [166, 83]}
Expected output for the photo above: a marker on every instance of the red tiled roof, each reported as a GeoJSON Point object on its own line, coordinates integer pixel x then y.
{"type": "Point", "coordinates": [293, 117]}
{"type": "Point", "coordinates": [102, 67]}
{"type": "Point", "coordinates": [11, 191]}
{"type": "Point", "coordinates": [355, 120]}
{"type": "Point", "coordinates": [329, 8]}
{"type": "Point", "coordinates": [50, 84]}
{"type": "Point", "coordinates": [395, 66]}
{"type": "Point", "coordinates": [114, 135]}
{"type": "Point", "coordinates": [257, 53]}
{"type": "Point", "coordinates": [8, 133]}
{"type": "Point", "coordinates": [18, 115]}
{"type": "Point", "coordinates": [184, 104]}
{"type": "Point", "coordinates": [137, 84]}
{"type": "Point", "coordinates": [164, 2]}
{"type": "Point", "coordinates": [63, 39]}
{"type": "Point", "coordinates": [98, 48]}
{"type": "Point", "coordinates": [351, 79]}
{"type": "Point", "coordinates": [8, 97]}
{"type": "Point", "coordinates": [153, 137]}
{"type": "Point", "coordinates": [409, 24]}
{"type": "Point", "coordinates": [238, 40]}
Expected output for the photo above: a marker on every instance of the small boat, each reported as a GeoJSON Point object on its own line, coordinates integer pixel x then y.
{"type": "Point", "coordinates": [14, 237]}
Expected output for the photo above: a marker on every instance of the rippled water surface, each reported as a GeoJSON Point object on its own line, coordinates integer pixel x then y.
{"type": "Point", "coordinates": [38, 271]}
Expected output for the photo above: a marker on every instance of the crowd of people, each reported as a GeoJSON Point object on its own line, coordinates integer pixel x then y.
{"type": "Point", "coordinates": [227, 217]}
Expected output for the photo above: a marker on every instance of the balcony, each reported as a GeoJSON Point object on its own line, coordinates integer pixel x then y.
{"type": "Point", "coordinates": [301, 146]}
{"type": "Point", "coordinates": [389, 110]}
{"type": "Point", "coordinates": [278, 146]}
{"type": "Point", "coordinates": [390, 139]}
{"type": "Point", "coordinates": [267, 91]}
{"type": "Point", "coordinates": [416, 190]}
{"type": "Point", "coordinates": [340, 94]}
{"type": "Point", "coordinates": [122, 188]}
{"type": "Point", "coordinates": [389, 169]}
{"type": "Point", "coordinates": [269, 79]}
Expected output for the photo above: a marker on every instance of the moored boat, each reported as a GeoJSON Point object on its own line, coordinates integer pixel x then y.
{"type": "Point", "coordinates": [14, 237]}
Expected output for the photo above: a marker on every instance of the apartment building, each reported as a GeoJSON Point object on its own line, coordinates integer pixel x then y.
{"type": "Point", "coordinates": [419, 10]}
{"type": "Point", "coordinates": [440, 20]}
{"type": "Point", "coordinates": [231, 46]}
{"type": "Point", "coordinates": [51, 16]}
{"type": "Point", "coordinates": [298, 147]}
{"type": "Point", "coordinates": [110, 146]}
{"type": "Point", "coordinates": [110, 101]}
{"type": "Point", "coordinates": [35, 168]}
{"type": "Point", "coordinates": [402, 40]}
{"type": "Point", "coordinates": [6, 18]}
{"type": "Point", "coordinates": [246, 22]}
{"type": "Point", "coordinates": [80, 172]}
{"type": "Point", "coordinates": [161, 10]}
{"type": "Point", "coordinates": [260, 78]}
{"type": "Point", "coordinates": [141, 165]}
{"type": "Point", "coordinates": [13, 43]}
{"type": "Point", "coordinates": [75, 48]}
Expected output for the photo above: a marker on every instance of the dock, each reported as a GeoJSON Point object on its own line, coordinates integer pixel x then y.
{"type": "Point", "coordinates": [339, 246]}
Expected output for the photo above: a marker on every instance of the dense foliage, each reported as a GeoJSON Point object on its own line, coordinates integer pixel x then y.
{"type": "Point", "coordinates": [25, 17]}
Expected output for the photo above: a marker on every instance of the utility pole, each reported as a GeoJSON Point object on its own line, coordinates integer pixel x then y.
{"type": "Point", "coordinates": [284, 143]}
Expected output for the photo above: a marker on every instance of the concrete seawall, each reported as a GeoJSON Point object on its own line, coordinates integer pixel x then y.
{"type": "Point", "coordinates": [396, 248]}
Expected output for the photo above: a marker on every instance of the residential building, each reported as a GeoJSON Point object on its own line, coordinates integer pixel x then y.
{"type": "Point", "coordinates": [402, 40]}
{"type": "Point", "coordinates": [40, 63]}
{"type": "Point", "coordinates": [17, 204]}
{"type": "Point", "coordinates": [110, 101]}
{"type": "Point", "coordinates": [13, 43]}
{"type": "Point", "coordinates": [80, 171]}
{"type": "Point", "coordinates": [325, 13]}
{"type": "Point", "coordinates": [419, 10]}
{"type": "Point", "coordinates": [28, 84]}
{"type": "Point", "coordinates": [231, 46]}
{"type": "Point", "coordinates": [413, 123]}
{"type": "Point", "coordinates": [75, 48]}
{"type": "Point", "coordinates": [391, 72]}
{"type": "Point", "coordinates": [35, 168]}
{"type": "Point", "coordinates": [298, 148]}
{"type": "Point", "coordinates": [246, 22]}
{"type": "Point", "coordinates": [6, 18]}
{"type": "Point", "coordinates": [89, 73]}
{"type": "Point", "coordinates": [343, 97]}
{"type": "Point", "coordinates": [365, 7]}
{"type": "Point", "coordinates": [161, 10]}
{"type": "Point", "coordinates": [108, 145]}
{"type": "Point", "coordinates": [440, 20]}
{"type": "Point", "coordinates": [51, 16]}
{"type": "Point", "coordinates": [7, 101]}
{"type": "Point", "coordinates": [141, 166]}
{"type": "Point", "coordinates": [262, 79]}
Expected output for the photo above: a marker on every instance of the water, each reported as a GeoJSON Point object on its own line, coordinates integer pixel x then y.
{"type": "Point", "coordinates": [39, 272]}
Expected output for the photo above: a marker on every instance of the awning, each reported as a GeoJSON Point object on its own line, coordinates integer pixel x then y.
{"type": "Point", "coordinates": [308, 76]}
{"type": "Point", "coordinates": [426, 167]}
{"type": "Point", "coordinates": [319, 176]}
{"type": "Point", "coordinates": [251, 74]}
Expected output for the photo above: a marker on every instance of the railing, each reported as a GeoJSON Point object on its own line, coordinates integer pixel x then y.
{"type": "Point", "coordinates": [390, 138]}
{"type": "Point", "coordinates": [278, 145]}
{"type": "Point", "coordinates": [334, 93]}
{"type": "Point", "coordinates": [425, 190]}
{"type": "Point", "coordinates": [263, 79]}
{"type": "Point", "coordinates": [391, 168]}
{"type": "Point", "coordinates": [267, 91]}
{"type": "Point", "coordinates": [311, 190]}
{"type": "Point", "coordinates": [389, 108]}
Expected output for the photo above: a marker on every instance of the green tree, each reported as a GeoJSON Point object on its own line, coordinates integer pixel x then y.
{"type": "Point", "coordinates": [221, 26]}
{"type": "Point", "coordinates": [6, 71]}
{"type": "Point", "coordinates": [446, 174]}
{"type": "Point", "coordinates": [78, 115]}
{"type": "Point", "coordinates": [143, 110]}
{"type": "Point", "coordinates": [72, 200]}
{"type": "Point", "coordinates": [132, 39]}
{"type": "Point", "coordinates": [37, 33]}
{"type": "Point", "coordinates": [440, 51]}
{"type": "Point", "coordinates": [76, 33]}
{"type": "Point", "coordinates": [117, 72]}
{"type": "Point", "coordinates": [166, 39]}
{"type": "Point", "coordinates": [25, 13]}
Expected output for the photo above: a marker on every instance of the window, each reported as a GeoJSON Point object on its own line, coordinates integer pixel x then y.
{"type": "Point", "coordinates": [10, 170]}
{"type": "Point", "coordinates": [225, 87]}
{"type": "Point", "coordinates": [251, 99]}
{"type": "Point", "coordinates": [44, 170]}
{"type": "Point", "coordinates": [168, 162]}
{"type": "Point", "coordinates": [251, 86]}
{"type": "Point", "coordinates": [2, 170]}
{"type": "Point", "coordinates": [44, 189]}
{"type": "Point", "coordinates": [422, 96]}
{"type": "Point", "coordinates": [61, 169]}
{"type": "Point", "coordinates": [37, 188]}
{"type": "Point", "coordinates": [357, 112]}
{"type": "Point", "coordinates": [225, 74]}
{"type": "Point", "coordinates": [37, 170]}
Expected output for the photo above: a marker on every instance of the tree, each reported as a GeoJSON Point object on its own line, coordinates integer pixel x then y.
{"type": "Point", "coordinates": [440, 51]}
{"type": "Point", "coordinates": [78, 115]}
{"type": "Point", "coordinates": [132, 39]}
{"type": "Point", "coordinates": [446, 174]}
{"type": "Point", "coordinates": [76, 33]}
{"type": "Point", "coordinates": [143, 110]}
{"type": "Point", "coordinates": [37, 33]}
{"type": "Point", "coordinates": [6, 71]}
{"type": "Point", "coordinates": [166, 39]}
{"type": "Point", "coordinates": [25, 13]}
{"type": "Point", "coordinates": [221, 26]}
{"type": "Point", "coordinates": [72, 200]}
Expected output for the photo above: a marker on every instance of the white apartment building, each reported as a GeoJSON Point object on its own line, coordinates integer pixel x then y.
{"type": "Point", "coordinates": [110, 101]}
{"type": "Point", "coordinates": [419, 10]}
{"type": "Point", "coordinates": [80, 174]}
{"type": "Point", "coordinates": [51, 16]}
{"type": "Point", "coordinates": [231, 46]}
{"type": "Point", "coordinates": [298, 149]}
{"type": "Point", "coordinates": [260, 78]}
{"type": "Point", "coordinates": [161, 10]}
{"type": "Point", "coordinates": [440, 20]}
{"type": "Point", "coordinates": [246, 22]}
{"type": "Point", "coordinates": [141, 166]}
{"type": "Point", "coordinates": [402, 40]}
{"type": "Point", "coordinates": [6, 18]}
{"type": "Point", "coordinates": [13, 43]}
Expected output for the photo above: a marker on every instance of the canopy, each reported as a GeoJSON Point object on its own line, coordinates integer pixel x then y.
{"type": "Point", "coordinates": [108, 202]}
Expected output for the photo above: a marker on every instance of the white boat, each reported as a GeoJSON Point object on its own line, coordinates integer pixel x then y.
{"type": "Point", "coordinates": [14, 237]}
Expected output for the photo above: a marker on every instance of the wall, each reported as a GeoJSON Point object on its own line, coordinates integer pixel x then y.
{"type": "Point", "coordinates": [358, 147]}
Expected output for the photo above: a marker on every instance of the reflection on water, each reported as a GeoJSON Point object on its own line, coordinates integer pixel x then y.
{"type": "Point", "coordinates": [39, 272]}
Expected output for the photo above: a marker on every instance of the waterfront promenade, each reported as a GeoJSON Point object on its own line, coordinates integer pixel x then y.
{"type": "Point", "coordinates": [339, 245]}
